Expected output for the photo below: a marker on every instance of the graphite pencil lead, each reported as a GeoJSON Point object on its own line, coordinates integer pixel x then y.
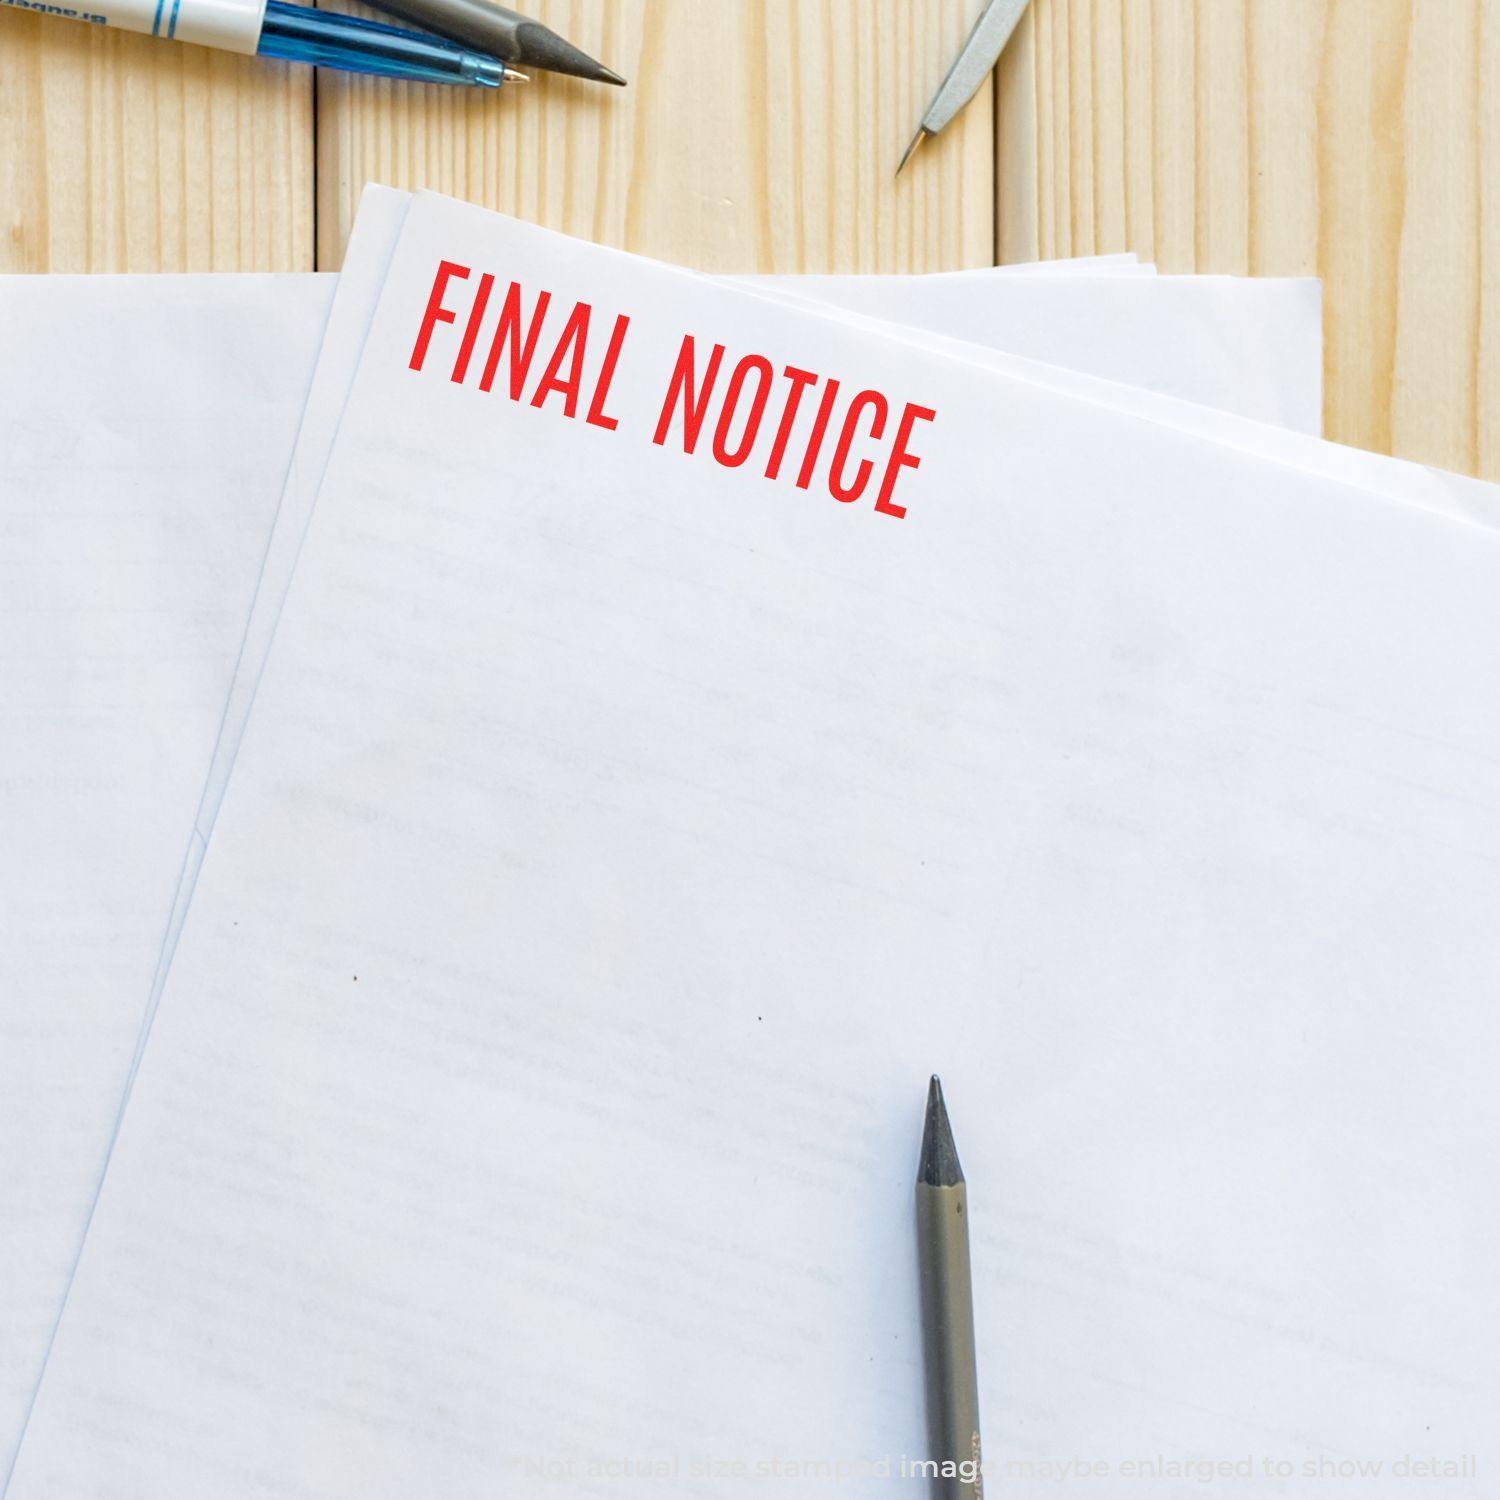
{"type": "Point", "coordinates": [938, 1166]}
{"type": "Point", "coordinates": [541, 47]}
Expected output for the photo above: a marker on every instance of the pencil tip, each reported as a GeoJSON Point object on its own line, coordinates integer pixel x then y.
{"type": "Point", "coordinates": [938, 1165]}
{"type": "Point", "coordinates": [916, 141]}
{"type": "Point", "coordinates": [541, 47]}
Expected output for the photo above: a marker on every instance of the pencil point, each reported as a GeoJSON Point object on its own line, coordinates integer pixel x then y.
{"type": "Point", "coordinates": [938, 1166]}
{"type": "Point", "coordinates": [916, 141]}
{"type": "Point", "coordinates": [541, 47]}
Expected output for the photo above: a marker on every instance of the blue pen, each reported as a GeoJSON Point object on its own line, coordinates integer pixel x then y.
{"type": "Point", "coordinates": [296, 33]}
{"type": "Point", "coordinates": [301, 34]}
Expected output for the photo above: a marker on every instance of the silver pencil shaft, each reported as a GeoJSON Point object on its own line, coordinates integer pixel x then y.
{"type": "Point", "coordinates": [970, 68]}
{"type": "Point", "coordinates": [974, 63]}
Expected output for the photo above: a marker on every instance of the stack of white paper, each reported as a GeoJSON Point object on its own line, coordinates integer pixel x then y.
{"type": "Point", "coordinates": [148, 424]}
{"type": "Point", "coordinates": [645, 784]}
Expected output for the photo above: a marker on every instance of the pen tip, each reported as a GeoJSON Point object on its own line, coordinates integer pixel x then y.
{"type": "Point", "coordinates": [511, 75]}
{"type": "Point", "coordinates": [938, 1165]}
{"type": "Point", "coordinates": [916, 141]}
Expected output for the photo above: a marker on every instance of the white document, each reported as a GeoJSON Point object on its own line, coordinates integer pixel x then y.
{"type": "Point", "coordinates": [1290, 345]}
{"type": "Point", "coordinates": [108, 346]}
{"type": "Point", "coordinates": [146, 427]}
{"type": "Point", "coordinates": [1249, 345]}
{"type": "Point", "coordinates": [1457, 495]}
{"type": "Point", "coordinates": [620, 838]}
{"type": "Point", "coordinates": [1123, 263]}
{"type": "Point", "coordinates": [1297, 357]}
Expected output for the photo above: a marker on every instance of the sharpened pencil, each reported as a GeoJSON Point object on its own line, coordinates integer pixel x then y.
{"type": "Point", "coordinates": [947, 1309]}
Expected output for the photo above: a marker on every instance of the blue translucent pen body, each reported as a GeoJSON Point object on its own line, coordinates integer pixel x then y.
{"type": "Point", "coordinates": [298, 33]}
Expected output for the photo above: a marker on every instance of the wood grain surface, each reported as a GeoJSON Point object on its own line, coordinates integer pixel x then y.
{"type": "Point", "coordinates": [126, 153]}
{"type": "Point", "coordinates": [754, 135]}
{"type": "Point", "coordinates": [1352, 139]}
{"type": "Point", "coordinates": [1356, 140]}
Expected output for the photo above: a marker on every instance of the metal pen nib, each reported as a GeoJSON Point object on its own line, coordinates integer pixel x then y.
{"type": "Point", "coordinates": [911, 150]}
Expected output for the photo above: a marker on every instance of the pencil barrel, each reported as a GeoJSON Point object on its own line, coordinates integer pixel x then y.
{"type": "Point", "coordinates": [948, 1342]}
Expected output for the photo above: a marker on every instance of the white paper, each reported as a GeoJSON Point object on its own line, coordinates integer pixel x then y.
{"type": "Point", "coordinates": [1252, 346]}
{"type": "Point", "coordinates": [144, 439]}
{"type": "Point", "coordinates": [1289, 345]}
{"type": "Point", "coordinates": [1458, 495]}
{"type": "Point", "coordinates": [619, 839]}
{"type": "Point", "coordinates": [55, 1145]}
{"type": "Point", "coordinates": [1123, 263]}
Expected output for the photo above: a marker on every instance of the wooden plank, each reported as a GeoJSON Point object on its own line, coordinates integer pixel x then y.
{"type": "Point", "coordinates": [125, 153]}
{"type": "Point", "coordinates": [1433, 384]}
{"type": "Point", "coordinates": [1060, 69]}
{"type": "Point", "coordinates": [1081, 125]}
{"type": "Point", "coordinates": [1222, 140]}
{"type": "Point", "coordinates": [1109, 145]}
{"type": "Point", "coordinates": [1139, 128]}
{"type": "Point", "coordinates": [1487, 361]}
{"type": "Point", "coordinates": [1174, 133]}
{"type": "Point", "coordinates": [1046, 146]}
{"type": "Point", "coordinates": [1016, 125]}
{"type": "Point", "coordinates": [1362, 200]}
{"type": "Point", "coordinates": [762, 135]}
{"type": "Point", "coordinates": [1283, 44]}
{"type": "Point", "coordinates": [1354, 139]}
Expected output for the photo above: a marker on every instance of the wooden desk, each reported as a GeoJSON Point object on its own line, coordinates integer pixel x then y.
{"type": "Point", "coordinates": [1347, 138]}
